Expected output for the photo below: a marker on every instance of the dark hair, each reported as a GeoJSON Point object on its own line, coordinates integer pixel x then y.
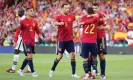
{"type": "Point", "coordinates": [90, 10]}
{"type": "Point", "coordinates": [21, 12]}
{"type": "Point", "coordinates": [95, 4]}
{"type": "Point", "coordinates": [29, 8]}
{"type": "Point", "coordinates": [64, 5]}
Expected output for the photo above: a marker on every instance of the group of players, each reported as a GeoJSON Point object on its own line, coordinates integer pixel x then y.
{"type": "Point", "coordinates": [93, 40]}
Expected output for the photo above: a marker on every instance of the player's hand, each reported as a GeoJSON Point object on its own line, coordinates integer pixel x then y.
{"type": "Point", "coordinates": [15, 44]}
{"type": "Point", "coordinates": [81, 23]}
{"type": "Point", "coordinates": [107, 28]}
{"type": "Point", "coordinates": [61, 23]}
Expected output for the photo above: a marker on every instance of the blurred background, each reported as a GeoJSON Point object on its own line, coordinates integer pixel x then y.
{"type": "Point", "coordinates": [120, 20]}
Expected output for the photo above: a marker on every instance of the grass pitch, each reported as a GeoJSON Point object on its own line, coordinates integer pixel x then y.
{"type": "Point", "coordinates": [119, 67]}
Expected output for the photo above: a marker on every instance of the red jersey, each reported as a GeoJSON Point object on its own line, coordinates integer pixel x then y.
{"type": "Point", "coordinates": [101, 33]}
{"type": "Point", "coordinates": [89, 33]}
{"type": "Point", "coordinates": [28, 27]}
{"type": "Point", "coordinates": [65, 32]}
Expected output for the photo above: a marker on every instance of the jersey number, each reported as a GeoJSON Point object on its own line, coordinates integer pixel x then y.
{"type": "Point", "coordinates": [91, 30]}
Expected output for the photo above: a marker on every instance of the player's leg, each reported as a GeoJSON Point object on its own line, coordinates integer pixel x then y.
{"type": "Point", "coordinates": [78, 48]}
{"type": "Point", "coordinates": [28, 70]}
{"type": "Point", "coordinates": [89, 64]}
{"type": "Point", "coordinates": [102, 50]}
{"type": "Point", "coordinates": [15, 61]}
{"type": "Point", "coordinates": [18, 48]}
{"type": "Point", "coordinates": [60, 52]}
{"type": "Point", "coordinates": [70, 48]}
{"type": "Point", "coordinates": [85, 55]}
{"type": "Point", "coordinates": [93, 51]}
{"type": "Point", "coordinates": [28, 60]}
{"type": "Point", "coordinates": [67, 54]}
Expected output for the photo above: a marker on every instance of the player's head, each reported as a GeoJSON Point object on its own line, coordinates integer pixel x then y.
{"type": "Point", "coordinates": [30, 11]}
{"type": "Point", "coordinates": [65, 8]}
{"type": "Point", "coordinates": [90, 10]}
{"type": "Point", "coordinates": [20, 12]}
{"type": "Point", "coordinates": [96, 7]}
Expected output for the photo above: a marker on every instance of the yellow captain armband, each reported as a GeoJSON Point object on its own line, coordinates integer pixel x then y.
{"type": "Point", "coordinates": [78, 17]}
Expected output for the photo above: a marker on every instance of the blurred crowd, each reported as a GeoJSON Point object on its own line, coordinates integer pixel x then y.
{"type": "Point", "coordinates": [120, 13]}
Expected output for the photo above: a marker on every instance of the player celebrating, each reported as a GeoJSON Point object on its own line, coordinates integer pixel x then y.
{"type": "Point", "coordinates": [101, 39]}
{"type": "Point", "coordinates": [18, 47]}
{"type": "Point", "coordinates": [28, 27]}
{"type": "Point", "coordinates": [89, 36]}
{"type": "Point", "coordinates": [65, 38]}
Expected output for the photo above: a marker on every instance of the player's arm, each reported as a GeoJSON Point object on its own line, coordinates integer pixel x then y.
{"type": "Point", "coordinates": [16, 36]}
{"type": "Point", "coordinates": [57, 21]}
{"type": "Point", "coordinates": [87, 21]}
{"type": "Point", "coordinates": [104, 27]}
{"type": "Point", "coordinates": [106, 17]}
{"type": "Point", "coordinates": [38, 31]}
{"type": "Point", "coordinates": [18, 31]}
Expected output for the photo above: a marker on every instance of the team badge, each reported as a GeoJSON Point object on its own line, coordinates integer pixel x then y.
{"type": "Point", "coordinates": [33, 24]}
{"type": "Point", "coordinates": [27, 24]}
{"type": "Point", "coordinates": [69, 19]}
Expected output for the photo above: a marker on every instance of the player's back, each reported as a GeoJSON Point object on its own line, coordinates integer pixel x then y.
{"type": "Point", "coordinates": [89, 34]}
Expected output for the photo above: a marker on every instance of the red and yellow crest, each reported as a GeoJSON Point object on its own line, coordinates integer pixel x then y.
{"type": "Point", "coordinates": [33, 24]}
{"type": "Point", "coordinates": [69, 19]}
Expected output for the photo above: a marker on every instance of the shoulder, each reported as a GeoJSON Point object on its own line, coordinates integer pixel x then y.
{"type": "Point", "coordinates": [101, 14]}
{"type": "Point", "coordinates": [23, 21]}
{"type": "Point", "coordinates": [23, 17]}
{"type": "Point", "coordinates": [71, 15]}
{"type": "Point", "coordinates": [84, 16]}
{"type": "Point", "coordinates": [34, 21]}
{"type": "Point", "coordinates": [57, 17]}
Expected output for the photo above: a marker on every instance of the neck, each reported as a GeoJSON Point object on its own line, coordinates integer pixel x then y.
{"type": "Point", "coordinates": [63, 13]}
{"type": "Point", "coordinates": [29, 17]}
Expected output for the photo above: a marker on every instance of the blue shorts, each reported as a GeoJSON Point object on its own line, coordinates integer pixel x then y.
{"type": "Point", "coordinates": [101, 45]}
{"type": "Point", "coordinates": [68, 45]}
{"type": "Point", "coordinates": [88, 47]}
{"type": "Point", "coordinates": [28, 48]}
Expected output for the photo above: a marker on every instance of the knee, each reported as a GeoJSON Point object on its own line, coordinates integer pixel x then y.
{"type": "Point", "coordinates": [16, 52]}
{"type": "Point", "coordinates": [85, 59]}
{"type": "Point", "coordinates": [72, 55]}
{"type": "Point", "coordinates": [101, 56]}
{"type": "Point", "coordinates": [29, 55]}
{"type": "Point", "coordinates": [94, 57]}
{"type": "Point", "coordinates": [59, 56]}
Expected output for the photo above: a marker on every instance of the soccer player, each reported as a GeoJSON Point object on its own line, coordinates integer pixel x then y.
{"type": "Point", "coordinates": [64, 22]}
{"type": "Point", "coordinates": [28, 28]}
{"type": "Point", "coordinates": [18, 47]}
{"type": "Point", "coordinates": [101, 39]}
{"type": "Point", "coordinates": [89, 35]}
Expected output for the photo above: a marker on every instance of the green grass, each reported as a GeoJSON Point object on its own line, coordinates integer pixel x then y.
{"type": "Point", "coordinates": [119, 67]}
